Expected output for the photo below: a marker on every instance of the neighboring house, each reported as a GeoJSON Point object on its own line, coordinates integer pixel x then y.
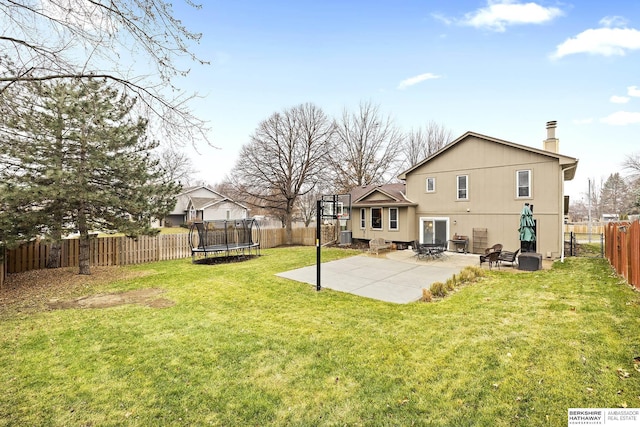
{"type": "Point", "coordinates": [475, 186]}
{"type": "Point", "coordinates": [203, 204]}
{"type": "Point", "coordinates": [610, 217]}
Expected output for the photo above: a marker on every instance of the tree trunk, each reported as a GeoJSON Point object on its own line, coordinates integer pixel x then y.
{"type": "Point", "coordinates": [54, 254]}
{"type": "Point", "coordinates": [56, 243]}
{"type": "Point", "coordinates": [288, 231]}
{"type": "Point", "coordinates": [288, 222]}
{"type": "Point", "coordinates": [83, 258]}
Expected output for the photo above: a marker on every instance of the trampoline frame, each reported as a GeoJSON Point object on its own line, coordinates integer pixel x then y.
{"type": "Point", "coordinates": [224, 238]}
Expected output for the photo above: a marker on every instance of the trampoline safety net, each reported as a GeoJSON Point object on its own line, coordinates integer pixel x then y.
{"type": "Point", "coordinates": [225, 238]}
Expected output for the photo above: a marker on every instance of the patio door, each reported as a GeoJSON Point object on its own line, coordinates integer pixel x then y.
{"type": "Point", "coordinates": [434, 230]}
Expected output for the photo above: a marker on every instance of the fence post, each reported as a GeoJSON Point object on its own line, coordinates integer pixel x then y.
{"type": "Point", "coordinates": [572, 243]}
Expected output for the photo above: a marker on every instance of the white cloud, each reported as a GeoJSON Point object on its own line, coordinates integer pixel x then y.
{"type": "Point", "coordinates": [619, 99]}
{"type": "Point", "coordinates": [633, 91]}
{"type": "Point", "coordinates": [602, 41]}
{"type": "Point", "coordinates": [582, 121]}
{"type": "Point", "coordinates": [441, 17]}
{"type": "Point", "coordinates": [416, 79]}
{"type": "Point", "coordinates": [613, 21]}
{"type": "Point", "coordinates": [500, 14]}
{"type": "Point", "coordinates": [621, 118]}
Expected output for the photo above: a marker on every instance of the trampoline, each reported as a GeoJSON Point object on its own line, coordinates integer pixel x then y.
{"type": "Point", "coordinates": [225, 239]}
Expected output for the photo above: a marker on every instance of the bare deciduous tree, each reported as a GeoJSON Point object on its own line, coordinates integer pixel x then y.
{"type": "Point", "coordinates": [421, 143]}
{"type": "Point", "coordinates": [632, 164]}
{"type": "Point", "coordinates": [306, 206]}
{"type": "Point", "coordinates": [177, 166]}
{"type": "Point", "coordinates": [616, 195]}
{"type": "Point", "coordinates": [52, 40]}
{"type": "Point", "coordinates": [284, 160]}
{"type": "Point", "coordinates": [367, 148]}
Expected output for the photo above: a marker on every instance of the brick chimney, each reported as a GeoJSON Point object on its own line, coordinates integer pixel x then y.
{"type": "Point", "coordinates": [551, 143]}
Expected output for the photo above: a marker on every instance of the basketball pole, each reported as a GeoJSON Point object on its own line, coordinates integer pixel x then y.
{"type": "Point", "coordinates": [318, 236]}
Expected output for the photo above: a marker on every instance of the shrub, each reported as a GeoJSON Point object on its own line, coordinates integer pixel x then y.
{"type": "Point", "coordinates": [470, 273]}
{"type": "Point", "coordinates": [478, 272]}
{"type": "Point", "coordinates": [438, 289]}
{"type": "Point", "coordinates": [450, 283]}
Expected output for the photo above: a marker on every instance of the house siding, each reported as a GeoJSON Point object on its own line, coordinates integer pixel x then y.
{"type": "Point", "coordinates": [404, 233]}
{"type": "Point", "coordinates": [492, 199]}
{"type": "Point", "coordinates": [219, 211]}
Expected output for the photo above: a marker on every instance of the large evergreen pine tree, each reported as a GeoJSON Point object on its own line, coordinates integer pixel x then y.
{"type": "Point", "coordinates": [76, 159]}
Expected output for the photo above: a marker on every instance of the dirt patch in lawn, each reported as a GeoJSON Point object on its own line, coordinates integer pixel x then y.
{"type": "Point", "coordinates": [147, 297]}
{"type": "Point", "coordinates": [35, 290]}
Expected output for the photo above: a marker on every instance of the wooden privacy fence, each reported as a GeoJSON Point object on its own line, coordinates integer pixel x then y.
{"type": "Point", "coordinates": [622, 249]}
{"type": "Point", "coordinates": [582, 228]}
{"type": "Point", "coordinates": [106, 251]}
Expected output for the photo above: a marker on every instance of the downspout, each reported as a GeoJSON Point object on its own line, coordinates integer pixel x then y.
{"type": "Point", "coordinates": [562, 217]}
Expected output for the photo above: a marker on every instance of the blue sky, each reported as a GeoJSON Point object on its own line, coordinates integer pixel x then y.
{"type": "Point", "coordinates": [501, 68]}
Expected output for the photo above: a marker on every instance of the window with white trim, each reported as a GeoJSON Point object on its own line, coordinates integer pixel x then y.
{"type": "Point", "coordinates": [462, 187]}
{"type": "Point", "coordinates": [376, 218]}
{"type": "Point", "coordinates": [523, 184]}
{"type": "Point", "coordinates": [431, 185]}
{"type": "Point", "coordinates": [363, 218]}
{"type": "Point", "coordinates": [393, 218]}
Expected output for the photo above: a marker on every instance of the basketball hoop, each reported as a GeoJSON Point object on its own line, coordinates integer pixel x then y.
{"type": "Point", "coordinates": [336, 206]}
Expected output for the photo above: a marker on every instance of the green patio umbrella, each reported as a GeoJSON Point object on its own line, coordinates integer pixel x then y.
{"type": "Point", "coordinates": [527, 234]}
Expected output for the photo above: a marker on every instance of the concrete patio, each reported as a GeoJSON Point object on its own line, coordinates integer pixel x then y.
{"type": "Point", "coordinates": [394, 276]}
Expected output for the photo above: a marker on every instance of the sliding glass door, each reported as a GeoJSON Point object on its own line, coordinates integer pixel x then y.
{"type": "Point", "coordinates": [434, 230]}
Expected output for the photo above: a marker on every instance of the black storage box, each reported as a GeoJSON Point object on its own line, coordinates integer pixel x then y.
{"type": "Point", "coordinates": [530, 261]}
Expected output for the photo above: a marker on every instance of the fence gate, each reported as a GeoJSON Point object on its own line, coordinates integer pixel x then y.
{"type": "Point", "coordinates": [587, 245]}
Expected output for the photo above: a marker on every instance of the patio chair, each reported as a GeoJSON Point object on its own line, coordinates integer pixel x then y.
{"type": "Point", "coordinates": [492, 255]}
{"type": "Point", "coordinates": [438, 250]}
{"type": "Point", "coordinates": [420, 251]}
{"type": "Point", "coordinates": [416, 249]}
{"type": "Point", "coordinates": [506, 256]}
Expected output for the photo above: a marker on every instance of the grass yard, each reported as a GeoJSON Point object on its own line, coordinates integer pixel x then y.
{"type": "Point", "coordinates": [241, 346]}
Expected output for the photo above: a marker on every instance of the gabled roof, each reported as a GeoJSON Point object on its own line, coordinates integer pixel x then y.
{"type": "Point", "coordinates": [188, 190]}
{"type": "Point", "coordinates": [209, 203]}
{"type": "Point", "coordinates": [200, 203]}
{"type": "Point", "coordinates": [377, 195]}
{"type": "Point", "coordinates": [568, 164]}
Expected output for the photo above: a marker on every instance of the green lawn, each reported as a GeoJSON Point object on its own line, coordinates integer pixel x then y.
{"type": "Point", "coordinates": [244, 347]}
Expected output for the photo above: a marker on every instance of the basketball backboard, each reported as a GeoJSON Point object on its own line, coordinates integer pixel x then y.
{"type": "Point", "coordinates": [336, 206]}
